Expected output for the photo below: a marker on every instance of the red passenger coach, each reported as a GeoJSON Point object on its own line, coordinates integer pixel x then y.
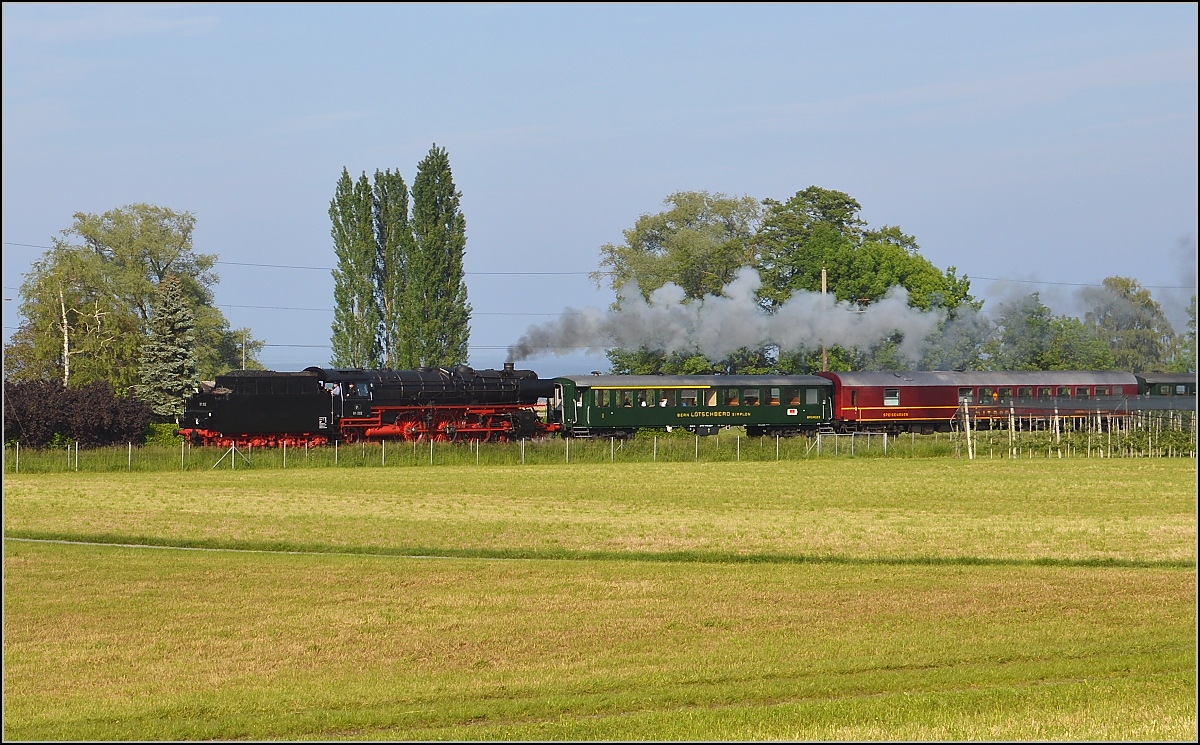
{"type": "Point", "coordinates": [929, 401]}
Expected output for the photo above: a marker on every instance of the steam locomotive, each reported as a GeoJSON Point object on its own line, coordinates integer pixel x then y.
{"type": "Point", "coordinates": [319, 405]}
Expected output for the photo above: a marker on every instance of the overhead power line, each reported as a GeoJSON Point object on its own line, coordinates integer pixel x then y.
{"type": "Point", "coordinates": [471, 346]}
{"type": "Point", "coordinates": [476, 274]}
{"type": "Point", "coordinates": [330, 269]}
{"type": "Point", "coordinates": [1078, 284]}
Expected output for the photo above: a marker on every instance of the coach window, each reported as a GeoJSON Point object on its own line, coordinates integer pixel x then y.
{"type": "Point", "coordinates": [1180, 390]}
{"type": "Point", "coordinates": [710, 398]}
{"type": "Point", "coordinates": [1024, 393]}
{"type": "Point", "coordinates": [985, 396]}
{"type": "Point", "coordinates": [687, 397]}
{"type": "Point", "coordinates": [1102, 391]}
{"type": "Point", "coordinates": [1005, 395]}
{"type": "Point", "coordinates": [1045, 392]}
{"type": "Point", "coordinates": [791, 396]}
{"type": "Point", "coordinates": [601, 397]}
{"type": "Point", "coordinates": [854, 398]}
{"type": "Point", "coordinates": [1064, 392]}
{"type": "Point", "coordinates": [1164, 390]}
{"type": "Point", "coordinates": [626, 400]}
{"type": "Point", "coordinates": [810, 396]}
{"type": "Point", "coordinates": [891, 396]}
{"type": "Point", "coordinates": [773, 399]}
{"type": "Point", "coordinates": [1082, 393]}
{"type": "Point", "coordinates": [966, 394]}
{"type": "Point", "coordinates": [731, 396]}
{"type": "Point", "coordinates": [750, 396]}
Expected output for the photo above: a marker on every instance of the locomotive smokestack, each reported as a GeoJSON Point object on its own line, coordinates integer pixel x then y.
{"type": "Point", "coordinates": [508, 367]}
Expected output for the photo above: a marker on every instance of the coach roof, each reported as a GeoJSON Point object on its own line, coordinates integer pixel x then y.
{"type": "Point", "coordinates": [693, 381]}
{"type": "Point", "coordinates": [1001, 378]}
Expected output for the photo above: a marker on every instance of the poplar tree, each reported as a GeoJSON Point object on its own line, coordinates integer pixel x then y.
{"type": "Point", "coordinates": [436, 313]}
{"type": "Point", "coordinates": [356, 321]}
{"type": "Point", "coordinates": [167, 359]}
{"type": "Point", "coordinates": [393, 247]}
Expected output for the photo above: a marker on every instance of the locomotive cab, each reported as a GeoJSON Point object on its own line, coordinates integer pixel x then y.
{"type": "Point", "coordinates": [355, 399]}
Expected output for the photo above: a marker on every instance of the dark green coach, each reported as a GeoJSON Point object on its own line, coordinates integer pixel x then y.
{"type": "Point", "coordinates": [619, 405]}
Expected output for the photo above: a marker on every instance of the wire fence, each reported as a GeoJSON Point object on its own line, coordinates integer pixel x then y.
{"type": "Point", "coordinates": [1149, 435]}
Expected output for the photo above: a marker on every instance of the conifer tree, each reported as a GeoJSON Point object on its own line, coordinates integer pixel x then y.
{"type": "Point", "coordinates": [436, 311]}
{"type": "Point", "coordinates": [393, 246]}
{"type": "Point", "coordinates": [167, 359]}
{"type": "Point", "coordinates": [356, 321]}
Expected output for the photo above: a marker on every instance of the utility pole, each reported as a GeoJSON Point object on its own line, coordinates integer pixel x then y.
{"type": "Point", "coordinates": [824, 358]}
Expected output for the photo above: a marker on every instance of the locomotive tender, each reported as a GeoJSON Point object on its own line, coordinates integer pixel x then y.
{"type": "Point", "coordinates": [319, 405]}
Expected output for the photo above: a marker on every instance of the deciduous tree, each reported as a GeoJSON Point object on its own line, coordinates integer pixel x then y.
{"type": "Point", "coordinates": [1028, 336]}
{"type": "Point", "coordinates": [86, 302]}
{"type": "Point", "coordinates": [699, 242]}
{"type": "Point", "coordinates": [1127, 317]}
{"type": "Point", "coordinates": [1184, 357]}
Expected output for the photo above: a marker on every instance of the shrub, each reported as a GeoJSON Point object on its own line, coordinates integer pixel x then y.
{"type": "Point", "coordinates": [41, 412]}
{"type": "Point", "coordinates": [162, 434]}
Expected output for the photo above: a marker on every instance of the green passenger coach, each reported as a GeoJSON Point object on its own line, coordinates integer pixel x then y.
{"type": "Point", "coordinates": [619, 405]}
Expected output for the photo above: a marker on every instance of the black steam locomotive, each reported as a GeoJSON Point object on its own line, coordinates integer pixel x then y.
{"type": "Point", "coordinates": [319, 405]}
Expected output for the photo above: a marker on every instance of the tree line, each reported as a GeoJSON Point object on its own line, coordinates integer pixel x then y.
{"type": "Point", "coordinates": [124, 299]}
{"type": "Point", "coordinates": [701, 240]}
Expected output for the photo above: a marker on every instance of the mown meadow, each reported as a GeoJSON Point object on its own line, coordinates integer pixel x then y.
{"type": "Point", "coordinates": [868, 598]}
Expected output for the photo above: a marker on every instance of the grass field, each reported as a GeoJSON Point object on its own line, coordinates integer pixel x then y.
{"type": "Point", "coordinates": [876, 599]}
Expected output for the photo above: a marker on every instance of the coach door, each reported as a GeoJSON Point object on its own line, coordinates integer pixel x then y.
{"type": "Point", "coordinates": [558, 405]}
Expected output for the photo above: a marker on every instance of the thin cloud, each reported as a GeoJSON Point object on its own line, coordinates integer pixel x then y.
{"type": "Point", "coordinates": [949, 102]}
{"type": "Point", "coordinates": [68, 24]}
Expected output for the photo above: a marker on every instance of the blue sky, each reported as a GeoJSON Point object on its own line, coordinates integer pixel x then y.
{"type": "Point", "coordinates": [1048, 146]}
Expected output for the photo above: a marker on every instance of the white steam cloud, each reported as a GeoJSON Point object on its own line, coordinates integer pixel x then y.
{"type": "Point", "coordinates": [718, 325]}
